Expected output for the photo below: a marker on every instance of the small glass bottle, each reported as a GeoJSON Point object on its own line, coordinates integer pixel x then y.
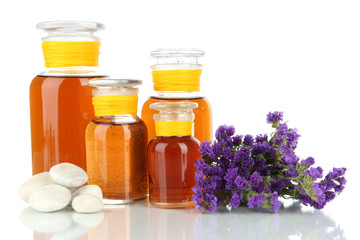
{"type": "Point", "coordinates": [172, 154]}
{"type": "Point", "coordinates": [116, 142]}
{"type": "Point", "coordinates": [176, 77]}
{"type": "Point", "coordinates": [60, 99]}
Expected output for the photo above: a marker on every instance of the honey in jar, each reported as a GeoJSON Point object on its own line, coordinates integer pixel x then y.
{"type": "Point", "coordinates": [116, 141]}
{"type": "Point", "coordinates": [60, 99]}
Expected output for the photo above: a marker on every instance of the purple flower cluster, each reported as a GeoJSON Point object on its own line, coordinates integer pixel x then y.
{"type": "Point", "coordinates": [237, 169]}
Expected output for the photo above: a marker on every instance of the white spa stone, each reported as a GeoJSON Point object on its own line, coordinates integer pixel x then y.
{"type": "Point", "coordinates": [86, 203]}
{"type": "Point", "coordinates": [68, 175]}
{"type": "Point", "coordinates": [88, 189]}
{"type": "Point", "coordinates": [50, 198]}
{"type": "Point", "coordinates": [34, 183]}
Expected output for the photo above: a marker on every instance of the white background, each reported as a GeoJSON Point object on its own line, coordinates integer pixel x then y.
{"type": "Point", "coordinates": [300, 57]}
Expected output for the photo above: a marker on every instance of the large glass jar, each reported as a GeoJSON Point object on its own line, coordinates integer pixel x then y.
{"type": "Point", "coordinates": [60, 99]}
{"type": "Point", "coordinates": [116, 141]}
{"type": "Point", "coordinates": [176, 77]}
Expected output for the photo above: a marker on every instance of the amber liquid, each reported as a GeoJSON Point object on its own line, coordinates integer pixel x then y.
{"type": "Point", "coordinates": [172, 171]}
{"type": "Point", "coordinates": [117, 160]}
{"type": "Point", "coordinates": [60, 109]}
{"type": "Point", "coordinates": [202, 122]}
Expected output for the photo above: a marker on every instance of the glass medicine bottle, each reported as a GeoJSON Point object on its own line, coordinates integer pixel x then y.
{"type": "Point", "coordinates": [172, 154]}
{"type": "Point", "coordinates": [116, 142]}
{"type": "Point", "coordinates": [176, 77]}
{"type": "Point", "coordinates": [60, 99]}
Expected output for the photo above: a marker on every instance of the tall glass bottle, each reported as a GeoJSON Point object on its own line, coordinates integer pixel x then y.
{"type": "Point", "coordinates": [116, 142]}
{"type": "Point", "coordinates": [60, 99]}
{"type": "Point", "coordinates": [176, 77]}
{"type": "Point", "coordinates": [172, 155]}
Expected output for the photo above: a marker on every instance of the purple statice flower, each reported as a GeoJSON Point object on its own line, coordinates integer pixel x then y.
{"type": "Point", "coordinates": [246, 165]}
{"type": "Point", "coordinates": [216, 151]}
{"type": "Point", "coordinates": [211, 201]}
{"type": "Point", "coordinates": [274, 117]}
{"type": "Point", "coordinates": [259, 164]}
{"type": "Point", "coordinates": [198, 197]}
{"type": "Point", "coordinates": [201, 166]}
{"type": "Point", "coordinates": [230, 178]}
{"type": "Point", "coordinates": [328, 184]}
{"type": "Point", "coordinates": [282, 127]}
{"type": "Point", "coordinates": [308, 161]}
{"type": "Point", "coordinates": [278, 185]}
{"type": "Point", "coordinates": [242, 154]}
{"type": "Point", "coordinates": [260, 148]}
{"type": "Point", "coordinates": [241, 183]}
{"type": "Point", "coordinates": [315, 173]}
{"type": "Point", "coordinates": [255, 178]}
{"type": "Point", "coordinates": [231, 174]}
{"type": "Point", "coordinates": [237, 140]}
{"type": "Point", "coordinates": [235, 199]}
{"type": "Point", "coordinates": [318, 192]}
{"type": "Point", "coordinates": [291, 172]}
{"type": "Point", "coordinates": [274, 200]}
{"type": "Point", "coordinates": [199, 178]}
{"type": "Point", "coordinates": [206, 149]}
{"type": "Point", "coordinates": [234, 168]}
{"type": "Point", "coordinates": [289, 157]}
{"type": "Point", "coordinates": [261, 138]}
{"type": "Point", "coordinates": [248, 140]}
{"type": "Point", "coordinates": [292, 138]}
{"type": "Point", "coordinates": [306, 200]}
{"type": "Point", "coordinates": [256, 201]}
{"type": "Point", "coordinates": [224, 131]}
{"type": "Point", "coordinates": [228, 154]}
{"type": "Point", "coordinates": [336, 173]}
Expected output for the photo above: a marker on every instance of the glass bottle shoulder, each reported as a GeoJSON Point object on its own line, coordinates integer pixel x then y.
{"type": "Point", "coordinates": [127, 126]}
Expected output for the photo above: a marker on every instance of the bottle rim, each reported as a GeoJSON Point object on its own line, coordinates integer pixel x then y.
{"type": "Point", "coordinates": [114, 83]}
{"type": "Point", "coordinates": [177, 52]}
{"type": "Point", "coordinates": [64, 26]}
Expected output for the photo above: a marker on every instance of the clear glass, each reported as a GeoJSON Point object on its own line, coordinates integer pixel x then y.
{"type": "Point", "coordinates": [174, 111]}
{"type": "Point", "coordinates": [70, 30]}
{"type": "Point", "coordinates": [61, 103]}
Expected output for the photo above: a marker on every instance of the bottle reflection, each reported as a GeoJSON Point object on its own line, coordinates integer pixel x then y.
{"type": "Point", "coordinates": [290, 223]}
{"type": "Point", "coordinates": [171, 223]}
{"type": "Point", "coordinates": [60, 225]}
{"type": "Point", "coordinates": [123, 222]}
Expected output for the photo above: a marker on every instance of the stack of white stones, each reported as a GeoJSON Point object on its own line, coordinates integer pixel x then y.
{"type": "Point", "coordinates": [61, 186]}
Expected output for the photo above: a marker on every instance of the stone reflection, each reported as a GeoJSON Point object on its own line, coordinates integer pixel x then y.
{"type": "Point", "coordinates": [65, 224]}
{"type": "Point", "coordinates": [290, 223]}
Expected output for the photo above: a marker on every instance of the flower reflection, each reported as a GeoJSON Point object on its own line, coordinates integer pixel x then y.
{"type": "Point", "coordinates": [141, 221]}
{"type": "Point", "coordinates": [60, 225]}
{"type": "Point", "coordinates": [243, 223]}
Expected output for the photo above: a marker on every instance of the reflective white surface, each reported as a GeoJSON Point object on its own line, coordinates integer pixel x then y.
{"type": "Point", "coordinates": [141, 221]}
